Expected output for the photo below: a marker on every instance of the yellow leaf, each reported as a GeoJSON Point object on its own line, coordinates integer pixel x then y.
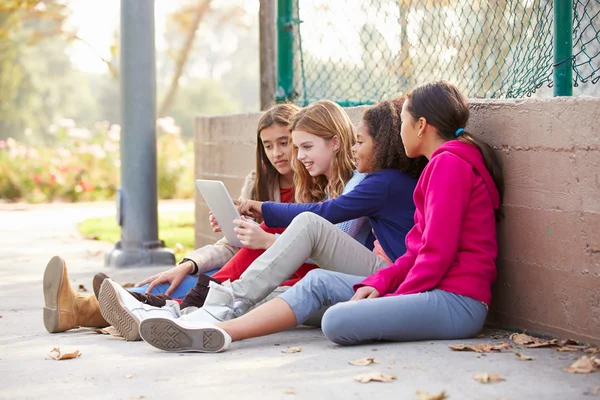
{"type": "Point", "coordinates": [375, 377]}
{"type": "Point", "coordinates": [57, 355]}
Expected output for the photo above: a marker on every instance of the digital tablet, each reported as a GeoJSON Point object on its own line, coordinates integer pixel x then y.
{"type": "Point", "coordinates": [218, 200]}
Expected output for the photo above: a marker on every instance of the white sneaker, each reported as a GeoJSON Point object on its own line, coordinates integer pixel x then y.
{"type": "Point", "coordinates": [125, 312]}
{"type": "Point", "coordinates": [184, 336]}
{"type": "Point", "coordinates": [220, 305]}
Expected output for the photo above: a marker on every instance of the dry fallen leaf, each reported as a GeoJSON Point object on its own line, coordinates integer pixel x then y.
{"type": "Point", "coordinates": [290, 391]}
{"type": "Point", "coordinates": [592, 350]}
{"type": "Point", "coordinates": [392, 362]}
{"type": "Point", "coordinates": [521, 338]}
{"type": "Point", "coordinates": [523, 357]}
{"type": "Point", "coordinates": [584, 365]}
{"type": "Point", "coordinates": [57, 355]}
{"type": "Point", "coordinates": [543, 343]}
{"type": "Point", "coordinates": [375, 377]}
{"type": "Point", "coordinates": [127, 285]}
{"type": "Point", "coordinates": [82, 288]}
{"type": "Point", "coordinates": [488, 378]}
{"type": "Point", "coordinates": [291, 350]}
{"type": "Point", "coordinates": [481, 347]}
{"type": "Point", "coordinates": [567, 348]}
{"type": "Point", "coordinates": [364, 361]}
{"type": "Point", "coordinates": [422, 395]}
{"type": "Point", "coordinates": [101, 331]}
{"type": "Point", "coordinates": [568, 342]}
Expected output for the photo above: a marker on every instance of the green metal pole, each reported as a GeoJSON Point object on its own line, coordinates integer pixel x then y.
{"type": "Point", "coordinates": [285, 49]}
{"type": "Point", "coordinates": [563, 47]}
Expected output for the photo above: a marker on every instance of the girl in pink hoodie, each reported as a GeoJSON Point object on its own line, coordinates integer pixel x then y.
{"type": "Point", "coordinates": [441, 287]}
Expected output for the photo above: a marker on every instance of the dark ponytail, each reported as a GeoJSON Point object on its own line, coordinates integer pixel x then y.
{"type": "Point", "coordinates": [445, 108]}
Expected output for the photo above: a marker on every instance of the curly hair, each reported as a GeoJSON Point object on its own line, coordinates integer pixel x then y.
{"type": "Point", "coordinates": [383, 123]}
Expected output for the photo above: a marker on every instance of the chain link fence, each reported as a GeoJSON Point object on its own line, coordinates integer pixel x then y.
{"type": "Point", "coordinates": [361, 51]}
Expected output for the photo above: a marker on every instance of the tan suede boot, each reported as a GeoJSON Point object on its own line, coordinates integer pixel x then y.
{"type": "Point", "coordinates": [65, 308]}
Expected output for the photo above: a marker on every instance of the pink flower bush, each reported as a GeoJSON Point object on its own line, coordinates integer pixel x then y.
{"type": "Point", "coordinates": [84, 165]}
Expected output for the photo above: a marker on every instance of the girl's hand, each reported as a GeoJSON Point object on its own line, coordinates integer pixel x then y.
{"type": "Point", "coordinates": [365, 292]}
{"type": "Point", "coordinates": [252, 235]}
{"type": "Point", "coordinates": [174, 276]}
{"type": "Point", "coordinates": [250, 208]}
{"type": "Point", "coordinates": [213, 222]}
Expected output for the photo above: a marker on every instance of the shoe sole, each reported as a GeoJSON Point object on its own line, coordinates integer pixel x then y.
{"type": "Point", "coordinates": [53, 280]}
{"type": "Point", "coordinates": [115, 313]}
{"type": "Point", "coordinates": [167, 335]}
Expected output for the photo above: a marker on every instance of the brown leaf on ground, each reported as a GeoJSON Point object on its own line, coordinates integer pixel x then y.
{"type": "Point", "coordinates": [57, 355]}
{"type": "Point", "coordinates": [290, 391]}
{"type": "Point", "coordinates": [567, 348]}
{"type": "Point", "coordinates": [364, 361]}
{"type": "Point", "coordinates": [128, 285]}
{"type": "Point", "coordinates": [82, 288]}
{"type": "Point", "coordinates": [523, 357]}
{"type": "Point", "coordinates": [481, 347]}
{"type": "Point", "coordinates": [101, 331]}
{"type": "Point", "coordinates": [422, 395]}
{"type": "Point", "coordinates": [543, 343]}
{"type": "Point", "coordinates": [499, 336]}
{"type": "Point", "coordinates": [583, 365]}
{"type": "Point", "coordinates": [291, 350]}
{"type": "Point", "coordinates": [568, 342]}
{"type": "Point", "coordinates": [521, 338]}
{"type": "Point", "coordinates": [375, 377]}
{"type": "Point", "coordinates": [592, 350]}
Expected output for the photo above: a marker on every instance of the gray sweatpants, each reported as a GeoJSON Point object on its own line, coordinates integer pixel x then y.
{"type": "Point", "coordinates": [436, 314]}
{"type": "Point", "coordinates": [308, 236]}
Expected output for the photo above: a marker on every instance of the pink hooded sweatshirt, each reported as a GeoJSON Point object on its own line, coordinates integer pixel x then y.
{"type": "Point", "coordinates": [453, 245]}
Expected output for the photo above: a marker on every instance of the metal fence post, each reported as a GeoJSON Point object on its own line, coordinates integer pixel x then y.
{"type": "Point", "coordinates": [285, 49]}
{"type": "Point", "coordinates": [563, 47]}
{"type": "Point", "coordinates": [137, 203]}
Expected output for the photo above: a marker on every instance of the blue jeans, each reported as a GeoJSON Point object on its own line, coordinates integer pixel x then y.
{"type": "Point", "coordinates": [436, 314]}
{"type": "Point", "coordinates": [179, 293]}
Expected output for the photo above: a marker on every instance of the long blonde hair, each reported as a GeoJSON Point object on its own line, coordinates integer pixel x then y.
{"type": "Point", "coordinates": [266, 174]}
{"type": "Point", "coordinates": [325, 119]}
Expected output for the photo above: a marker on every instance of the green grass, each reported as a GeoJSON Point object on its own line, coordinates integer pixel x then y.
{"type": "Point", "coordinates": [174, 228]}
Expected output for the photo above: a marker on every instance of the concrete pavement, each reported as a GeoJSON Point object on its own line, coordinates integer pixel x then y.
{"type": "Point", "coordinates": [253, 369]}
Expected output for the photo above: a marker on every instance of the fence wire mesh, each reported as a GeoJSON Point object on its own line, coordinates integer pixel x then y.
{"type": "Point", "coordinates": [361, 51]}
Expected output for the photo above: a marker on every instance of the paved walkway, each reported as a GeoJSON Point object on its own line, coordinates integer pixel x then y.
{"type": "Point", "coordinates": [253, 369]}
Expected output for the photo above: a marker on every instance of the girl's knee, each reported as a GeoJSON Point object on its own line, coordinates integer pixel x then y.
{"type": "Point", "coordinates": [338, 326]}
{"type": "Point", "coordinates": [306, 217]}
